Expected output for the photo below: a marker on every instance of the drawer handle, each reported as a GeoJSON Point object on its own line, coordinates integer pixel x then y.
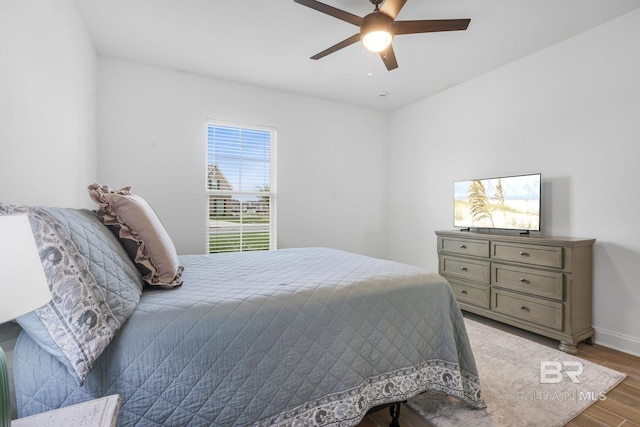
{"type": "Point", "coordinates": [524, 308]}
{"type": "Point", "coordinates": [463, 268]}
{"type": "Point", "coordinates": [523, 253]}
{"type": "Point", "coordinates": [523, 280]}
{"type": "Point", "coordinates": [463, 291]}
{"type": "Point", "coordinates": [462, 246]}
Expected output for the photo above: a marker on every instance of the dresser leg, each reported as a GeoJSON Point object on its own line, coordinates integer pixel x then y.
{"type": "Point", "coordinates": [568, 348]}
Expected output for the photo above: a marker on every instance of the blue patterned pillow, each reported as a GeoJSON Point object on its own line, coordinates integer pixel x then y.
{"type": "Point", "coordinates": [94, 285]}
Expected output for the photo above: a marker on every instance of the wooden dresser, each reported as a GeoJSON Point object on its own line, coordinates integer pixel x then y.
{"type": "Point", "coordinates": [539, 283]}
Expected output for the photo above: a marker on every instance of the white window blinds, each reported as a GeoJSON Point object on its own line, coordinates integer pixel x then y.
{"type": "Point", "coordinates": [240, 188]}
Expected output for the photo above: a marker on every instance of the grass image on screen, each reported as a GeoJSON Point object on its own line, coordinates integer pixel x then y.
{"type": "Point", "coordinates": [508, 203]}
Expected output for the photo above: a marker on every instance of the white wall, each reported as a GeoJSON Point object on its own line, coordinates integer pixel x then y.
{"type": "Point", "coordinates": [571, 112]}
{"type": "Point", "coordinates": [48, 70]}
{"type": "Point", "coordinates": [330, 157]}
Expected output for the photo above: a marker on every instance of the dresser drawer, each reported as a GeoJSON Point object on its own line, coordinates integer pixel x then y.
{"type": "Point", "coordinates": [537, 282]}
{"type": "Point", "coordinates": [467, 269]}
{"type": "Point", "coordinates": [539, 311]}
{"type": "Point", "coordinates": [544, 256]}
{"type": "Point", "coordinates": [470, 293]}
{"type": "Point", "coordinates": [465, 247]}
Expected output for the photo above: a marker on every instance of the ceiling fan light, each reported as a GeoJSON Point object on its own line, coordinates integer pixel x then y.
{"type": "Point", "coordinates": [377, 41]}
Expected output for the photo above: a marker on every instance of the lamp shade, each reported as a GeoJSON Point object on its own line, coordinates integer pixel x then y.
{"type": "Point", "coordinates": [23, 287]}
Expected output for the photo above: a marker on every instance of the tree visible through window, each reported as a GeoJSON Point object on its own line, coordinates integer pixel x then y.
{"type": "Point", "coordinates": [240, 188]}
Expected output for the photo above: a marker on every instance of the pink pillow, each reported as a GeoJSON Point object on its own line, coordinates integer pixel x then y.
{"type": "Point", "coordinates": [141, 234]}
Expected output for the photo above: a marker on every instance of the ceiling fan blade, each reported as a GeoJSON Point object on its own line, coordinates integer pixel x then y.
{"type": "Point", "coordinates": [344, 43]}
{"type": "Point", "coordinates": [392, 7]}
{"type": "Point", "coordinates": [332, 11]}
{"type": "Point", "coordinates": [430, 26]}
{"type": "Point", "coordinates": [389, 58]}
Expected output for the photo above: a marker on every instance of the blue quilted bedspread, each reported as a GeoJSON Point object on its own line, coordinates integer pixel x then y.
{"type": "Point", "coordinates": [289, 337]}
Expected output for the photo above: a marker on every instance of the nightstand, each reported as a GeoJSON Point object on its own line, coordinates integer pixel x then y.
{"type": "Point", "coordinates": [102, 412]}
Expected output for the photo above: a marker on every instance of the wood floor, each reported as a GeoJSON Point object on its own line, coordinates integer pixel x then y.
{"type": "Point", "coordinates": [621, 408]}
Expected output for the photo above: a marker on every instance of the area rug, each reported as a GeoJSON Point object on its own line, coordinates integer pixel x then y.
{"type": "Point", "coordinates": [523, 383]}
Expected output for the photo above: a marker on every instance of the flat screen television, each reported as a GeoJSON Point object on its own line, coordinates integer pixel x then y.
{"type": "Point", "coordinates": [508, 202]}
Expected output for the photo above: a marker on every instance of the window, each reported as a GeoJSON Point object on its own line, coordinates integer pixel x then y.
{"type": "Point", "coordinates": [240, 188]}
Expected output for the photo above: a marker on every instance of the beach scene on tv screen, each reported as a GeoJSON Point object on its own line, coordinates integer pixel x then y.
{"type": "Point", "coordinates": [507, 202]}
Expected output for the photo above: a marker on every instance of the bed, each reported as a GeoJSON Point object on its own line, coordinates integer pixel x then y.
{"type": "Point", "coordinates": [290, 337]}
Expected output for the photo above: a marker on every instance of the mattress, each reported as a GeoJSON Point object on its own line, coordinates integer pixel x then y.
{"type": "Point", "coordinates": [309, 336]}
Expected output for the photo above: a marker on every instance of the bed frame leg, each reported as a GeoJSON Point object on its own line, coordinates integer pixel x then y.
{"type": "Point", "coordinates": [394, 409]}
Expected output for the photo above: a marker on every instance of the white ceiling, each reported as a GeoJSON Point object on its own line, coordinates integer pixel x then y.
{"type": "Point", "coordinates": [268, 43]}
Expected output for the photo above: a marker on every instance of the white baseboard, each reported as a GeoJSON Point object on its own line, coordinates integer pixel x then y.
{"type": "Point", "coordinates": [617, 341]}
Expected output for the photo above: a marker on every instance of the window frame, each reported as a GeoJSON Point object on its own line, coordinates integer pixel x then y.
{"type": "Point", "coordinates": [272, 193]}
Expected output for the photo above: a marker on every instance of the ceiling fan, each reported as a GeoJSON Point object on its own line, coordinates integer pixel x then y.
{"type": "Point", "coordinates": [378, 28]}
